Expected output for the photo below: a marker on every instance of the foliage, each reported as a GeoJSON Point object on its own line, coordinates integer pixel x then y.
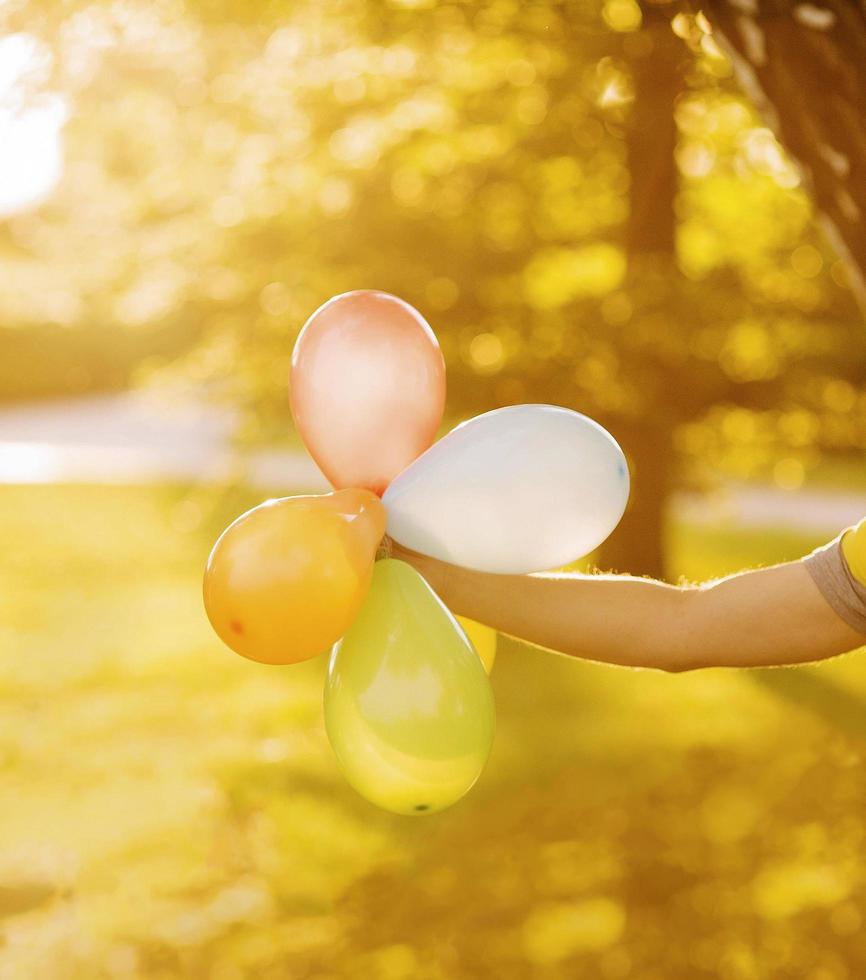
{"type": "Point", "coordinates": [230, 166]}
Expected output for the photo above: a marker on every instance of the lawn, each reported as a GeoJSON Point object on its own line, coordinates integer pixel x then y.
{"type": "Point", "coordinates": [169, 810]}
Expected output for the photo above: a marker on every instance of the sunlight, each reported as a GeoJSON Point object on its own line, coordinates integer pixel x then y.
{"type": "Point", "coordinates": [31, 146]}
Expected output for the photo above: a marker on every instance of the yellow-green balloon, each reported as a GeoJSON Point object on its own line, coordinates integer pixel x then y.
{"type": "Point", "coordinates": [408, 706]}
{"type": "Point", "coordinates": [483, 638]}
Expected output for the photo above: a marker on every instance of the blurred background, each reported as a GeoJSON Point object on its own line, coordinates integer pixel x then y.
{"type": "Point", "coordinates": [587, 202]}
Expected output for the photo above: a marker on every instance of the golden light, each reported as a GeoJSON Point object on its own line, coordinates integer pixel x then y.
{"type": "Point", "coordinates": [31, 162]}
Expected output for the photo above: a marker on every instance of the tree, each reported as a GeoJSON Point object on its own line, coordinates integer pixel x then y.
{"type": "Point", "coordinates": [804, 67]}
{"type": "Point", "coordinates": [584, 207]}
{"type": "Point", "coordinates": [650, 244]}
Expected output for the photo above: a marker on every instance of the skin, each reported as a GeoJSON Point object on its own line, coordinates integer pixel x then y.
{"type": "Point", "coordinates": [758, 618]}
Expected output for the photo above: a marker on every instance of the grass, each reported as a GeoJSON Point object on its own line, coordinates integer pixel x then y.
{"type": "Point", "coordinates": [169, 810]}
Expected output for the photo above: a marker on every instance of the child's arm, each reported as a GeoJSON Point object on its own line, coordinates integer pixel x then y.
{"type": "Point", "coordinates": [768, 616]}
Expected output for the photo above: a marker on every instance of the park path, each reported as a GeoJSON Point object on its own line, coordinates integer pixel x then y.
{"type": "Point", "coordinates": [141, 436]}
{"type": "Point", "coordinates": [136, 437]}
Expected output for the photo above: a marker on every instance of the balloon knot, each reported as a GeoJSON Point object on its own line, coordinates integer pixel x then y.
{"type": "Point", "coordinates": [384, 549]}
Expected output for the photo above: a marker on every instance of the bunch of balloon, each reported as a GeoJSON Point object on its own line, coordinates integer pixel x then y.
{"type": "Point", "coordinates": [408, 705]}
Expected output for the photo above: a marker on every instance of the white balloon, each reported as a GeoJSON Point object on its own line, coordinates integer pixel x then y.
{"type": "Point", "coordinates": [521, 489]}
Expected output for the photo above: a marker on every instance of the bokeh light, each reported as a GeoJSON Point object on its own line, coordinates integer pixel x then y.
{"type": "Point", "coordinates": [589, 212]}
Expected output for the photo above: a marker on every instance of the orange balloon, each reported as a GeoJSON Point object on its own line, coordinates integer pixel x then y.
{"type": "Point", "coordinates": [285, 581]}
{"type": "Point", "coordinates": [367, 388]}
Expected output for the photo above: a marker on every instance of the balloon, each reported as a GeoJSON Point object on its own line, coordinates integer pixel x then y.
{"type": "Point", "coordinates": [367, 388]}
{"type": "Point", "coordinates": [483, 638]}
{"type": "Point", "coordinates": [286, 579]}
{"type": "Point", "coordinates": [520, 489]}
{"type": "Point", "coordinates": [408, 708]}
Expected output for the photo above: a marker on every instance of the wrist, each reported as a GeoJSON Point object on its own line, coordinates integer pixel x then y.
{"type": "Point", "coordinates": [438, 574]}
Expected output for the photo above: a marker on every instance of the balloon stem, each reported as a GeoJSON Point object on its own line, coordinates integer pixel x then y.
{"type": "Point", "coordinates": [384, 549]}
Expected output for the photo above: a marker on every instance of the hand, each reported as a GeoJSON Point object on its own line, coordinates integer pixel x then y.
{"type": "Point", "coordinates": [437, 573]}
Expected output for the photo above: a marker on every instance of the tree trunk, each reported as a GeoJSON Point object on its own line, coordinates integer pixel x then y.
{"type": "Point", "coordinates": [651, 140]}
{"type": "Point", "coordinates": [637, 546]}
{"type": "Point", "coordinates": [804, 67]}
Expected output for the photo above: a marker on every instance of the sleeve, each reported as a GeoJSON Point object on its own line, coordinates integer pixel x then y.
{"type": "Point", "coordinates": [839, 571]}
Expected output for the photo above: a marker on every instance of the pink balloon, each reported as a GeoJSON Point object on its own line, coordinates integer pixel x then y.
{"type": "Point", "coordinates": [367, 388]}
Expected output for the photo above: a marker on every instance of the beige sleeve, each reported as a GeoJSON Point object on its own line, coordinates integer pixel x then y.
{"type": "Point", "coordinates": [831, 574]}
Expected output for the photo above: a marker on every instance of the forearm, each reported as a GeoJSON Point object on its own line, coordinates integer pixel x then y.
{"type": "Point", "coordinates": [759, 618]}
{"type": "Point", "coordinates": [596, 617]}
